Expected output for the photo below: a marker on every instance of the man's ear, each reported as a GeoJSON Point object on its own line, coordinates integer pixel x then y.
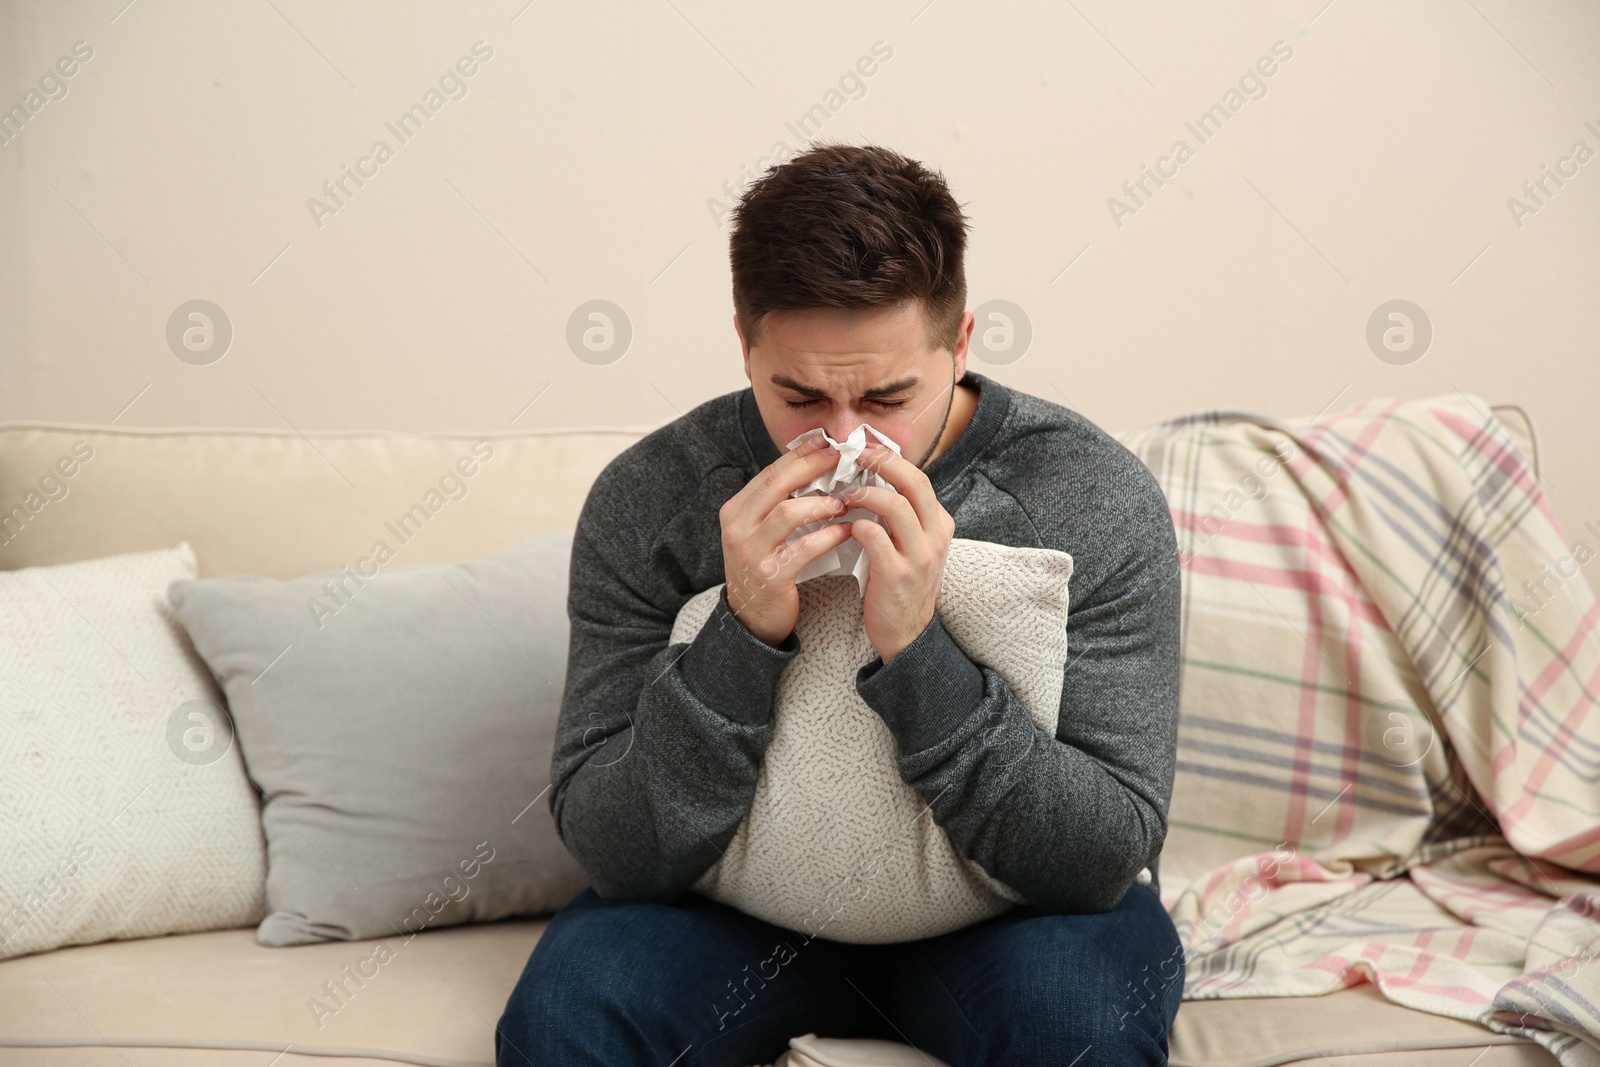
{"type": "Point", "coordinates": [963, 343]}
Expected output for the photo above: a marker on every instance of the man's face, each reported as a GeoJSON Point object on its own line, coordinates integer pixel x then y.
{"type": "Point", "coordinates": [835, 363]}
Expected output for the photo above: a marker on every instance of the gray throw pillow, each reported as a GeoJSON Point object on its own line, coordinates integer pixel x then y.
{"type": "Point", "coordinates": [399, 723]}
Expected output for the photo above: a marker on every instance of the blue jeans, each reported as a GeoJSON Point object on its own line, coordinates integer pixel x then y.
{"type": "Point", "coordinates": [696, 983]}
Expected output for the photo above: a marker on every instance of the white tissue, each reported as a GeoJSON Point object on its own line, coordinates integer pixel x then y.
{"type": "Point", "coordinates": [847, 558]}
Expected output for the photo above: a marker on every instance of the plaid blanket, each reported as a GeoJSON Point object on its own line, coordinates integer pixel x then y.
{"type": "Point", "coordinates": [1389, 743]}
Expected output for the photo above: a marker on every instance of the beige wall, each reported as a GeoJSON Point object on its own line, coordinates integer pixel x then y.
{"type": "Point", "coordinates": [584, 158]}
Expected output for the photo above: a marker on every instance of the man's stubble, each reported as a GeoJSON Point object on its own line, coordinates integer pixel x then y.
{"type": "Point", "coordinates": [949, 403]}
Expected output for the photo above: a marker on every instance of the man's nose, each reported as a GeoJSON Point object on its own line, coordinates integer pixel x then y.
{"type": "Point", "coordinates": [841, 431]}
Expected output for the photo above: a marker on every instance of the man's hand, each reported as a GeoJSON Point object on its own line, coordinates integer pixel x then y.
{"type": "Point", "coordinates": [759, 564]}
{"type": "Point", "coordinates": [905, 546]}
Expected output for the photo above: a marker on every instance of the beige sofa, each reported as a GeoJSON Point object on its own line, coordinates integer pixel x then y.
{"type": "Point", "coordinates": [286, 504]}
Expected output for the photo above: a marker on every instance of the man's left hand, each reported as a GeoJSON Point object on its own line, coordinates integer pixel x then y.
{"type": "Point", "coordinates": [906, 545]}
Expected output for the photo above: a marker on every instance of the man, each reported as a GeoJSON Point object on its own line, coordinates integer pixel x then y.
{"type": "Point", "coordinates": [849, 295]}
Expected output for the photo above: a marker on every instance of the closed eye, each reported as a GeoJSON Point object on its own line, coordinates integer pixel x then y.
{"type": "Point", "coordinates": [887, 405]}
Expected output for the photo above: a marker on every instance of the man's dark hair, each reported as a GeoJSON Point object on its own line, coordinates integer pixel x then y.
{"type": "Point", "coordinates": [853, 227]}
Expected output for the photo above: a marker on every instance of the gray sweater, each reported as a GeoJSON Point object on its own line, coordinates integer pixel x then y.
{"type": "Point", "coordinates": [659, 745]}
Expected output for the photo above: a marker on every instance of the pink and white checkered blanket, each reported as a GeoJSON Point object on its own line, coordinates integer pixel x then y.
{"type": "Point", "coordinates": [1389, 744]}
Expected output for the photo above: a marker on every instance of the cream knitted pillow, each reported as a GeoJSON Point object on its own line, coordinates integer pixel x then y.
{"type": "Point", "coordinates": [835, 843]}
{"type": "Point", "coordinates": [125, 811]}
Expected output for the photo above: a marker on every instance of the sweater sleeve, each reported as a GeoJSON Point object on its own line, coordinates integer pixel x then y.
{"type": "Point", "coordinates": [1068, 821]}
{"type": "Point", "coordinates": [658, 745]}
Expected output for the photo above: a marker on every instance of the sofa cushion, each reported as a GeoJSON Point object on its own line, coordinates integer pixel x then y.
{"type": "Point", "coordinates": [124, 807]}
{"type": "Point", "coordinates": [399, 722]}
{"type": "Point", "coordinates": [434, 998]}
{"type": "Point", "coordinates": [835, 843]}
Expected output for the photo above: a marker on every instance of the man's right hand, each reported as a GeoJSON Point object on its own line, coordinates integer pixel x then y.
{"type": "Point", "coordinates": [759, 565]}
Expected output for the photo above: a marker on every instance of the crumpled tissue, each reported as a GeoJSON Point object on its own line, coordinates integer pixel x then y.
{"type": "Point", "coordinates": [847, 558]}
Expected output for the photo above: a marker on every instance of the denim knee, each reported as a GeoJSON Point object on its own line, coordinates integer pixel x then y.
{"type": "Point", "coordinates": [1030, 988]}
{"type": "Point", "coordinates": [619, 982]}
{"type": "Point", "coordinates": [573, 975]}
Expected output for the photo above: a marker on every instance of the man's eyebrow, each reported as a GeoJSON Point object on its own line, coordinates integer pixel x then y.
{"type": "Point", "coordinates": [893, 387]}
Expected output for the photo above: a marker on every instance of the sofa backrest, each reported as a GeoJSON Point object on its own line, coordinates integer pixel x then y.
{"type": "Point", "coordinates": [284, 504]}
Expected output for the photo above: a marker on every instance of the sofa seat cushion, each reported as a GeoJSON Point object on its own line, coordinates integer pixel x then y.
{"type": "Point", "coordinates": [431, 998]}
{"type": "Point", "coordinates": [1354, 1027]}
{"type": "Point", "coordinates": [434, 999]}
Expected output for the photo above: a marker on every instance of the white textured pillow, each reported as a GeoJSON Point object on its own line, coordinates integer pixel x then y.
{"type": "Point", "coordinates": [124, 807]}
{"type": "Point", "coordinates": [835, 843]}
